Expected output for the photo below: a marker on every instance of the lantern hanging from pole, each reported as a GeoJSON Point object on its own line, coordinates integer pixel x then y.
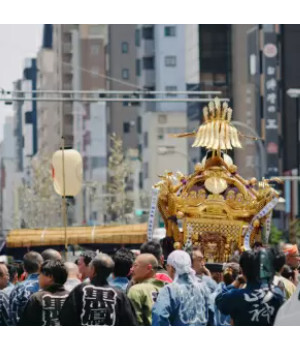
{"type": "Point", "coordinates": [72, 171]}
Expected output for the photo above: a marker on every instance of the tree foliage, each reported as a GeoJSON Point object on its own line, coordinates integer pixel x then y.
{"type": "Point", "coordinates": [276, 235]}
{"type": "Point", "coordinates": [39, 205]}
{"type": "Point", "coordinates": [118, 201]}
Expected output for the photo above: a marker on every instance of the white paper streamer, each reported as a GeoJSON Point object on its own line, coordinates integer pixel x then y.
{"type": "Point", "coordinates": [268, 226]}
{"type": "Point", "coordinates": [265, 211]}
{"type": "Point", "coordinates": [152, 211]}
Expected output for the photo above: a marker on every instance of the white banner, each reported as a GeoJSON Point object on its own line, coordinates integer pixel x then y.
{"type": "Point", "coordinates": [265, 211]}
{"type": "Point", "coordinates": [268, 226]}
{"type": "Point", "coordinates": [152, 211]}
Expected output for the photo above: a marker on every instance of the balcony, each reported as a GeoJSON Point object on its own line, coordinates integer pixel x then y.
{"type": "Point", "coordinates": [67, 68]}
{"type": "Point", "coordinates": [67, 47]}
{"type": "Point", "coordinates": [67, 108]}
{"type": "Point", "coordinates": [67, 86]}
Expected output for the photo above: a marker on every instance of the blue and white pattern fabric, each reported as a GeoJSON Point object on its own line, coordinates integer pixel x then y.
{"type": "Point", "coordinates": [120, 283]}
{"type": "Point", "coordinates": [182, 303]}
{"type": "Point", "coordinates": [4, 309]}
{"type": "Point", "coordinates": [209, 282]}
{"type": "Point", "coordinates": [20, 296]}
{"type": "Point", "coordinates": [219, 318]}
{"type": "Point", "coordinates": [7, 290]}
{"type": "Point", "coordinates": [185, 302]}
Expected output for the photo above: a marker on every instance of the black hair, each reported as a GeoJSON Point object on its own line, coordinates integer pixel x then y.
{"type": "Point", "coordinates": [257, 245]}
{"type": "Point", "coordinates": [258, 266]}
{"type": "Point", "coordinates": [13, 270]}
{"type": "Point", "coordinates": [20, 270]}
{"type": "Point", "coordinates": [51, 254]}
{"type": "Point", "coordinates": [287, 272]}
{"type": "Point", "coordinates": [32, 262]}
{"type": "Point", "coordinates": [279, 260]}
{"type": "Point", "coordinates": [88, 256]}
{"type": "Point", "coordinates": [123, 260]}
{"type": "Point", "coordinates": [167, 244]}
{"type": "Point", "coordinates": [103, 265]}
{"type": "Point", "coordinates": [152, 247]}
{"type": "Point", "coordinates": [55, 269]}
{"type": "Point", "coordinates": [249, 262]}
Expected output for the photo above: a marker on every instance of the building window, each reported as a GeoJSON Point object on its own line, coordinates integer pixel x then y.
{"type": "Point", "coordinates": [137, 37]}
{"type": "Point", "coordinates": [170, 61]}
{"type": "Point", "coordinates": [148, 32]}
{"type": "Point", "coordinates": [124, 47]}
{"type": "Point", "coordinates": [149, 88]}
{"type": "Point", "coordinates": [171, 88]}
{"type": "Point", "coordinates": [162, 119]}
{"type": "Point", "coordinates": [140, 180]}
{"type": "Point", "coordinates": [146, 139]}
{"type": "Point", "coordinates": [140, 149]}
{"type": "Point", "coordinates": [126, 127]}
{"type": "Point", "coordinates": [146, 170]}
{"type": "Point", "coordinates": [125, 103]}
{"type": "Point", "coordinates": [139, 124]}
{"type": "Point", "coordinates": [160, 133]}
{"type": "Point", "coordinates": [148, 62]}
{"type": "Point", "coordinates": [138, 67]}
{"type": "Point", "coordinates": [125, 73]}
{"type": "Point", "coordinates": [170, 31]}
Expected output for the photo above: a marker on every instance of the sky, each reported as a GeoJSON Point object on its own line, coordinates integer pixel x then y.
{"type": "Point", "coordinates": [17, 42]}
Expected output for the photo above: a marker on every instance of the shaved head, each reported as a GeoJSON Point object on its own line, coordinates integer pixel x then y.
{"type": "Point", "coordinates": [101, 267]}
{"type": "Point", "coordinates": [147, 259]}
{"type": "Point", "coordinates": [51, 254]}
{"type": "Point", "coordinates": [144, 267]}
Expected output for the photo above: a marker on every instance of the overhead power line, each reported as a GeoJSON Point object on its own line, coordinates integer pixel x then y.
{"type": "Point", "coordinates": [107, 96]}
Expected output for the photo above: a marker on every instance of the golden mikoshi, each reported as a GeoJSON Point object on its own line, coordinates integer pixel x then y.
{"type": "Point", "coordinates": [214, 207]}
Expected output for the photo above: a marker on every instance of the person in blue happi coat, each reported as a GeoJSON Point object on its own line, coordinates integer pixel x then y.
{"type": "Point", "coordinates": [22, 292]}
{"type": "Point", "coordinates": [257, 303]}
{"type": "Point", "coordinates": [185, 301]}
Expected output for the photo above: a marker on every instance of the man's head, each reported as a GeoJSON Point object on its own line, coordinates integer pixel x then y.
{"type": "Point", "coordinates": [21, 272]}
{"type": "Point", "coordinates": [249, 263]}
{"type": "Point", "coordinates": [279, 260]}
{"type": "Point", "coordinates": [4, 276]}
{"type": "Point", "coordinates": [13, 273]}
{"type": "Point", "coordinates": [32, 262]}
{"type": "Point", "coordinates": [198, 261]}
{"type": "Point", "coordinates": [73, 270]}
{"type": "Point", "coordinates": [257, 246]}
{"type": "Point", "coordinates": [52, 272]}
{"type": "Point", "coordinates": [288, 273]}
{"type": "Point", "coordinates": [230, 272]}
{"type": "Point", "coordinates": [179, 263]}
{"type": "Point", "coordinates": [51, 254]}
{"type": "Point", "coordinates": [84, 263]}
{"type": "Point", "coordinates": [101, 267]}
{"type": "Point", "coordinates": [123, 260]}
{"type": "Point", "coordinates": [154, 248]}
{"type": "Point", "coordinates": [144, 267]}
{"type": "Point", "coordinates": [292, 255]}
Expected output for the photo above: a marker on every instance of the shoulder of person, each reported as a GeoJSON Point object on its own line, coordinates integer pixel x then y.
{"type": "Point", "coordinates": [3, 296]}
{"type": "Point", "coordinates": [38, 295]}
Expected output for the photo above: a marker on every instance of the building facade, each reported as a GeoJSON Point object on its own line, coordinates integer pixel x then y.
{"type": "Point", "coordinates": [160, 64]}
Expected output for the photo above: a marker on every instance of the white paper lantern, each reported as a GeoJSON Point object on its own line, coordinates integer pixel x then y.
{"type": "Point", "coordinates": [73, 172]}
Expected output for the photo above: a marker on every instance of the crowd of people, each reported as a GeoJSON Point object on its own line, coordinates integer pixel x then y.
{"type": "Point", "coordinates": [144, 288]}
